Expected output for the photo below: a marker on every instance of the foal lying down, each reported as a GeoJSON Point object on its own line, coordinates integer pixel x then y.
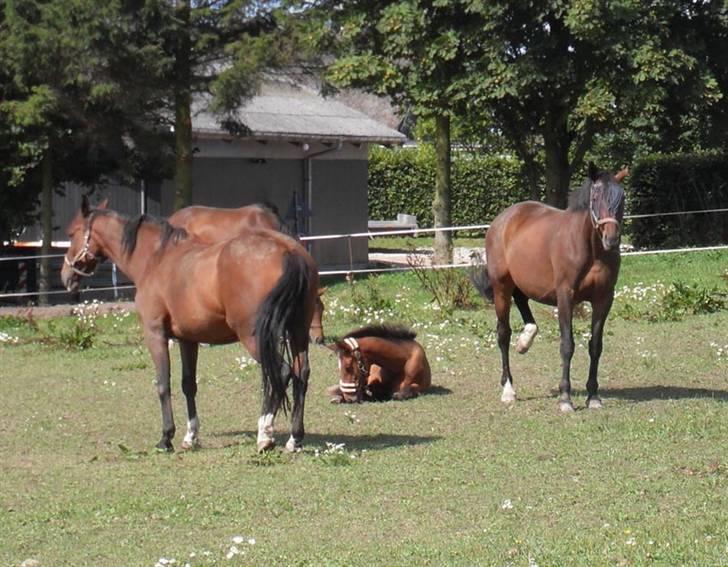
{"type": "Point", "coordinates": [380, 362]}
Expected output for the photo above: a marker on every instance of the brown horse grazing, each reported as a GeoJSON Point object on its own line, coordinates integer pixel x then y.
{"type": "Point", "coordinates": [557, 257]}
{"type": "Point", "coordinates": [259, 289]}
{"type": "Point", "coordinates": [380, 362]}
{"type": "Point", "coordinates": [211, 225]}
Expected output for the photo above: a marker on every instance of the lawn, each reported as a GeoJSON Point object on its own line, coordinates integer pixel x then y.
{"type": "Point", "coordinates": [453, 477]}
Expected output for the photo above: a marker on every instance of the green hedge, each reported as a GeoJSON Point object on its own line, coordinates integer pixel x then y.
{"type": "Point", "coordinates": [403, 180]}
{"type": "Point", "coordinates": [679, 182]}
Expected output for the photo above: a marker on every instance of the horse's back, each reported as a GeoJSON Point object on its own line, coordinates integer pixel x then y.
{"type": "Point", "coordinates": [212, 224]}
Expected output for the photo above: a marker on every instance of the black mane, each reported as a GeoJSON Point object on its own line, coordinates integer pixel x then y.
{"type": "Point", "coordinates": [131, 231]}
{"type": "Point", "coordinates": [580, 199]}
{"type": "Point", "coordinates": [396, 332]}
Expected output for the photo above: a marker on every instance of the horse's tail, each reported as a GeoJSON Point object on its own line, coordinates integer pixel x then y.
{"type": "Point", "coordinates": [281, 330]}
{"type": "Point", "coordinates": [480, 279]}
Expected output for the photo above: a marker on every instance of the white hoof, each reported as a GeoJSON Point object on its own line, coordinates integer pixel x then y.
{"type": "Point", "coordinates": [509, 394]}
{"type": "Point", "coordinates": [594, 403]}
{"type": "Point", "coordinates": [292, 446]}
{"type": "Point", "coordinates": [525, 339]}
{"type": "Point", "coordinates": [266, 445]}
{"type": "Point", "coordinates": [191, 445]}
{"type": "Point", "coordinates": [566, 407]}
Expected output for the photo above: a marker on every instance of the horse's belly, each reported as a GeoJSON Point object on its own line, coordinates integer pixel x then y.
{"type": "Point", "coordinates": [211, 331]}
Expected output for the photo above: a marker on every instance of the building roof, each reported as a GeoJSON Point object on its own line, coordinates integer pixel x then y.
{"type": "Point", "coordinates": [286, 110]}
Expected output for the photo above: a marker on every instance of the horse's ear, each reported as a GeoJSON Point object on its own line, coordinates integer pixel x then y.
{"type": "Point", "coordinates": [621, 174]}
{"type": "Point", "coordinates": [104, 204]}
{"type": "Point", "coordinates": [85, 206]}
{"type": "Point", "coordinates": [593, 171]}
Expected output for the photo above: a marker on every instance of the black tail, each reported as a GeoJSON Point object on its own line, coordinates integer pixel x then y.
{"type": "Point", "coordinates": [481, 281]}
{"type": "Point", "coordinates": [281, 329]}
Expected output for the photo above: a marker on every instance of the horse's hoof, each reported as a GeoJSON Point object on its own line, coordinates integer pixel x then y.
{"type": "Point", "coordinates": [293, 446]}
{"type": "Point", "coordinates": [509, 394]}
{"type": "Point", "coordinates": [164, 446]}
{"type": "Point", "coordinates": [594, 403]}
{"type": "Point", "coordinates": [336, 400]}
{"type": "Point", "coordinates": [566, 407]}
{"type": "Point", "coordinates": [190, 445]}
{"type": "Point", "coordinates": [525, 339]}
{"type": "Point", "coordinates": [266, 445]}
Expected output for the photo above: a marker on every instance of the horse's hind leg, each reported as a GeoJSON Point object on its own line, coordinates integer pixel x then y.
{"type": "Point", "coordinates": [188, 353]}
{"type": "Point", "coordinates": [300, 386]}
{"type": "Point", "coordinates": [525, 339]}
{"type": "Point", "coordinates": [502, 310]}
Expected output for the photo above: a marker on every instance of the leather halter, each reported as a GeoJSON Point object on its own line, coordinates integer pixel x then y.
{"type": "Point", "coordinates": [347, 387]}
{"type": "Point", "coordinates": [84, 253]}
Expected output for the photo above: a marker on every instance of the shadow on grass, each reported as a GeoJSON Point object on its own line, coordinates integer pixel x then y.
{"type": "Point", "coordinates": [437, 391]}
{"type": "Point", "coordinates": [358, 442]}
{"type": "Point", "coordinates": [645, 393]}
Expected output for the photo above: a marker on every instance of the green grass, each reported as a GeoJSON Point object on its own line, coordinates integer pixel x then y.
{"type": "Point", "coordinates": [453, 477]}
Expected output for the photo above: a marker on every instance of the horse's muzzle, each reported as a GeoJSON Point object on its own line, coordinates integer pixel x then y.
{"type": "Point", "coordinates": [69, 279]}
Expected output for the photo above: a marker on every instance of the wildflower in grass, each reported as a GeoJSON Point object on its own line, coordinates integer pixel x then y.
{"type": "Point", "coordinates": [507, 504]}
{"type": "Point", "coordinates": [5, 338]}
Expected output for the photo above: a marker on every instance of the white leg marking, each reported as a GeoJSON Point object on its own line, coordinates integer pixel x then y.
{"type": "Point", "coordinates": [525, 339]}
{"type": "Point", "coordinates": [191, 439]}
{"type": "Point", "coordinates": [265, 430]}
{"type": "Point", "coordinates": [509, 394]}
{"type": "Point", "coordinates": [292, 446]}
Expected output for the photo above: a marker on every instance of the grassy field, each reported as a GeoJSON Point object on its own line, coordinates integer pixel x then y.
{"type": "Point", "coordinates": [451, 478]}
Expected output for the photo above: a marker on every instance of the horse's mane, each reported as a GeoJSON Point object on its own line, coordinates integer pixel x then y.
{"type": "Point", "coordinates": [131, 231]}
{"type": "Point", "coordinates": [579, 200]}
{"type": "Point", "coordinates": [396, 332]}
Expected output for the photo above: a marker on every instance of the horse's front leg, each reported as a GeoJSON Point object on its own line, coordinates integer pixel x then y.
{"type": "Point", "coordinates": [565, 305]}
{"type": "Point", "coordinates": [157, 344]}
{"type": "Point", "coordinates": [188, 353]}
{"type": "Point", "coordinates": [600, 311]}
{"type": "Point", "coordinates": [300, 386]}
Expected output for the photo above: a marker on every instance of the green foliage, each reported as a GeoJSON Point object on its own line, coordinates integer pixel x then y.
{"type": "Point", "coordinates": [674, 302]}
{"type": "Point", "coordinates": [403, 180]}
{"type": "Point", "coordinates": [679, 182]}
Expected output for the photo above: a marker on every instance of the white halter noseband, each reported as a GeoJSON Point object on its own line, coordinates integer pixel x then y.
{"type": "Point", "coordinates": [83, 254]}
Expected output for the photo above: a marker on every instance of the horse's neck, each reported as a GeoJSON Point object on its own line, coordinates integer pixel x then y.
{"type": "Point", "coordinates": [383, 352]}
{"type": "Point", "coordinates": [109, 230]}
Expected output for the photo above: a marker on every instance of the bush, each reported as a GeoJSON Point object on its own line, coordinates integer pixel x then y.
{"type": "Point", "coordinates": [679, 182]}
{"type": "Point", "coordinates": [403, 181]}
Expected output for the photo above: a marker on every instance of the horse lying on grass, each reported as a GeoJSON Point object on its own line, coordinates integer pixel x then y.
{"type": "Point", "coordinates": [380, 362]}
{"type": "Point", "coordinates": [212, 225]}
{"type": "Point", "coordinates": [259, 288]}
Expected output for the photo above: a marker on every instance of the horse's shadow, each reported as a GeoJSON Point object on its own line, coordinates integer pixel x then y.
{"type": "Point", "coordinates": [645, 393]}
{"type": "Point", "coordinates": [376, 442]}
{"type": "Point", "coordinates": [437, 391]}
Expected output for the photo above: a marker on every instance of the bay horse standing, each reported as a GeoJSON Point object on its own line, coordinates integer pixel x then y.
{"type": "Point", "coordinates": [557, 257]}
{"type": "Point", "coordinates": [380, 362]}
{"type": "Point", "coordinates": [213, 224]}
{"type": "Point", "coordinates": [259, 289]}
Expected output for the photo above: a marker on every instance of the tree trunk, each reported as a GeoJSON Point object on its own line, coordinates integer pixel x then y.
{"type": "Point", "coordinates": [558, 175]}
{"type": "Point", "coordinates": [441, 202]}
{"type": "Point", "coordinates": [183, 110]}
{"type": "Point", "coordinates": [46, 217]}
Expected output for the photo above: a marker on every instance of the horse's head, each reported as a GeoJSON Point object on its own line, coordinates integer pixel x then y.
{"type": "Point", "coordinates": [316, 332]}
{"type": "Point", "coordinates": [352, 372]}
{"type": "Point", "coordinates": [606, 205]}
{"type": "Point", "coordinates": [83, 253]}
